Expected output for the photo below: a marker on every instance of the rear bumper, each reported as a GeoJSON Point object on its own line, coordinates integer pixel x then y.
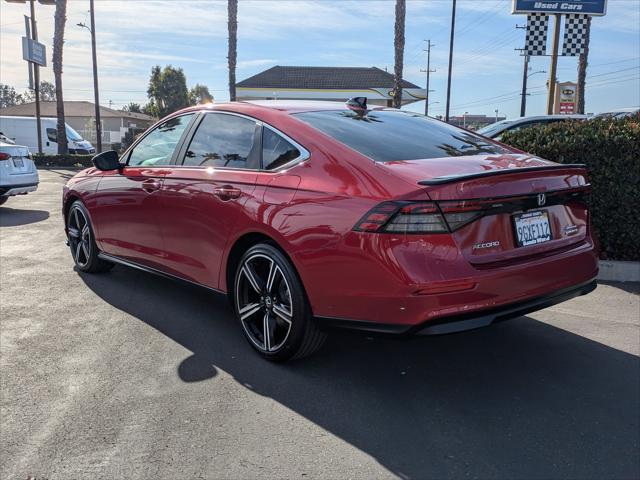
{"type": "Point", "coordinates": [467, 321]}
{"type": "Point", "coordinates": [22, 189]}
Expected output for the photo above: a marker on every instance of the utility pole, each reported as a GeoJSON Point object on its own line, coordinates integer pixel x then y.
{"type": "Point", "coordinates": [95, 78]}
{"type": "Point", "coordinates": [96, 95]}
{"type": "Point", "coordinates": [525, 75]}
{"type": "Point", "coordinates": [523, 99]}
{"type": "Point", "coordinates": [36, 76]}
{"type": "Point", "coordinates": [453, 27]}
{"type": "Point", "coordinates": [554, 64]}
{"type": "Point", "coordinates": [428, 71]}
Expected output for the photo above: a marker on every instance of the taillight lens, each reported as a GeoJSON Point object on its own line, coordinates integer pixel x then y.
{"type": "Point", "coordinates": [418, 217]}
{"type": "Point", "coordinates": [4, 156]}
{"type": "Point", "coordinates": [403, 217]}
{"type": "Point", "coordinates": [458, 214]}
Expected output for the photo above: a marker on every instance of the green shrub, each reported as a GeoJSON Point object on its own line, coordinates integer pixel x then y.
{"type": "Point", "coordinates": [611, 151]}
{"type": "Point", "coordinates": [67, 161]}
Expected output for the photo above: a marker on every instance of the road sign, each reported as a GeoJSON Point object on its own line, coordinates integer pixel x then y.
{"type": "Point", "coordinates": [584, 7]}
{"type": "Point", "coordinates": [34, 51]}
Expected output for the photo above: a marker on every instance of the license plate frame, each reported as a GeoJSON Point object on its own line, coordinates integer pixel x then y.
{"type": "Point", "coordinates": [531, 228]}
{"type": "Point", "coordinates": [18, 162]}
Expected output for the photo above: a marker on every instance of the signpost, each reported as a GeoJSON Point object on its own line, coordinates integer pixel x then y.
{"type": "Point", "coordinates": [576, 13]}
{"type": "Point", "coordinates": [35, 53]}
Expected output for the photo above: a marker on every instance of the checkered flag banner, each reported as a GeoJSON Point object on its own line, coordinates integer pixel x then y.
{"type": "Point", "coordinates": [536, 41]}
{"type": "Point", "coordinates": [575, 32]}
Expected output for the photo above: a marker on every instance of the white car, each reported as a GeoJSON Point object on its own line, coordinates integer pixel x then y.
{"type": "Point", "coordinates": [495, 130]}
{"type": "Point", "coordinates": [622, 113]}
{"type": "Point", "coordinates": [18, 174]}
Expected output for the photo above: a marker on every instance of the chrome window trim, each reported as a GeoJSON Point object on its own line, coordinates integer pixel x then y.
{"type": "Point", "coordinates": [304, 153]}
{"type": "Point", "coordinates": [127, 153]}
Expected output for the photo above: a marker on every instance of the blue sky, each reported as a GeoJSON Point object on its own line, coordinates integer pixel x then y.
{"type": "Point", "coordinates": [134, 35]}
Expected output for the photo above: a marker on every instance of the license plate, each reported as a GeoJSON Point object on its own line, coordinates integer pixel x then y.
{"type": "Point", "coordinates": [18, 163]}
{"type": "Point", "coordinates": [532, 228]}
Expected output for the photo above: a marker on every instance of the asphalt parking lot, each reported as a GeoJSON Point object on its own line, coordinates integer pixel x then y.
{"type": "Point", "coordinates": [127, 375]}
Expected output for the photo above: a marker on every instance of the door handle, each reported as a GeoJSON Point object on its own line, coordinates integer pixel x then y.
{"type": "Point", "coordinates": [227, 192]}
{"type": "Point", "coordinates": [151, 185]}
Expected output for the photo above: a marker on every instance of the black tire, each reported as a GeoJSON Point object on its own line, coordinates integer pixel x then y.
{"type": "Point", "coordinates": [281, 326]}
{"type": "Point", "coordinates": [3, 200]}
{"type": "Point", "coordinates": [82, 241]}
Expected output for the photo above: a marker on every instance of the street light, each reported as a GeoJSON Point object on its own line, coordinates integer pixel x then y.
{"type": "Point", "coordinates": [464, 119]}
{"type": "Point", "coordinates": [496, 114]}
{"type": "Point", "coordinates": [539, 71]}
{"type": "Point", "coordinates": [92, 30]}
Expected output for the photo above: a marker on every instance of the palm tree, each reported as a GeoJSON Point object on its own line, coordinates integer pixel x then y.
{"type": "Point", "coordinates": [582, 67]}
{"type": "Point", "coordinates": [233, 43]}
{"type": "Point", "coordinates": [398, 44]}
{"type": "Point", "coordinates": [58, 41]}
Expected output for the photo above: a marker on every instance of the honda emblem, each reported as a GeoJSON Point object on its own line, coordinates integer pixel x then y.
{"type": "Point", "coordinates": [542, 199]}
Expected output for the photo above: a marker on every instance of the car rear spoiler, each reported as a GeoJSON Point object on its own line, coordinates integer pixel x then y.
{"type": "Point", "coordinates": [491, 173]}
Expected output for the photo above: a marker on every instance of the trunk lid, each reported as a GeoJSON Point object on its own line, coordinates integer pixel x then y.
{"type": "Point", "coordinates": [522, 205]}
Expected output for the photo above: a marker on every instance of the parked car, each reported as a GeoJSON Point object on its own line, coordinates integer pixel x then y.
{"type": "Point", "coordinates": [18, 174]}
{"type": "Point", "coordinates": [312, 215]}
{"type": "Point", "coordinates": [5, 139]}
{"type": "Point", "coordinates": [622, 113]}
{"type": "Point", "coordinates": [495, 130]}
{"type": "Point", "coordinates": [24, 131]}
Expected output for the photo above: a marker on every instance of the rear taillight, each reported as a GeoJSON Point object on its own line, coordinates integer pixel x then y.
{"type": "Point", "coordinates": [403, 217]}
{"type": "Point", "coordinates": [418, 217]}
{"type": "Point", "coordinates": [458, 214]}
{"type": "Point", "coordinates": [4, 156]}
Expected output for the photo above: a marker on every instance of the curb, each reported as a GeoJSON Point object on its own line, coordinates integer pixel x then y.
{"type": "Point", "coordinates": [618, 271]}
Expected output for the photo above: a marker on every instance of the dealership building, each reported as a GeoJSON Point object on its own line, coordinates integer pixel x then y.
{"type": "Point", "coordinates": [326, 83]}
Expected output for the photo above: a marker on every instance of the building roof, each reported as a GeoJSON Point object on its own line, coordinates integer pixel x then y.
{"type": "Point", "coordinates": [71, 109]}
{"type": "Point", "coordinates": [320, 78]}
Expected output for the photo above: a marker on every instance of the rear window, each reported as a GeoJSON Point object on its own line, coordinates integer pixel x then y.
{"type": "Point", "coordinates": [387, 135]}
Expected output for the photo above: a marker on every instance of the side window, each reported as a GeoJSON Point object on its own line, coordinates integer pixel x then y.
{"type": "Point", "coordinates": [157, 147]}
{"type": "Point", "coordinates": [224, 141]}
{"type": "Point", "coordinates": [52, 135]}
{"type": "Point", "coordinates": [276, 151]}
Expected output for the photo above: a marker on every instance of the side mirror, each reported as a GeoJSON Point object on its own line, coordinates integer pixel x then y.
{"type": "Point", "coordinates": [107, 161]}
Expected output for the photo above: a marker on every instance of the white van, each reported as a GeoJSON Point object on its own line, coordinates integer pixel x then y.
{"type": "Point", "coordinates": [23, 131]}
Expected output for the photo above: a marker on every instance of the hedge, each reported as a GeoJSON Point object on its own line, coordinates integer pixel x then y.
{"type": "Point", "coordinates": [79, 161]}
{"type": "Point", "coordinates": [611, 151]}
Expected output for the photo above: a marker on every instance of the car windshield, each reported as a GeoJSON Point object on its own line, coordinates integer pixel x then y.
{"type": "Point", "coordinates": [73, 135]}
{"type": "Point", "coordinates": [489, 130]}
{"type": "Point", "coordinates": [387, 135]}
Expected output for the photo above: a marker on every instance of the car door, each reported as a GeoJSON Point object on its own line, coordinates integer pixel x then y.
{"type": "Point", "coordinates": [128, 204]}
{"type": "Point", "coordinates": [205, 194]}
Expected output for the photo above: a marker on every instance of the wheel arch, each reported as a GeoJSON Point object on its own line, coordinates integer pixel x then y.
{"type": "Point", "coordinates": [239, 247]}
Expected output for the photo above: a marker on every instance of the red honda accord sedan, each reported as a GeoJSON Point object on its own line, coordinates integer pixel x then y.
{"type": "Point", "coordinates": [311, 215]}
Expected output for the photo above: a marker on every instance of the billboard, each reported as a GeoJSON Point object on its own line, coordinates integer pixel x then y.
{"type": "Point", "coordinates": [583, 7]}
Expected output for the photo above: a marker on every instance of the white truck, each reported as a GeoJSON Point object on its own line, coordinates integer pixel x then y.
{"type": "Point", "coordinates": [23, 131]}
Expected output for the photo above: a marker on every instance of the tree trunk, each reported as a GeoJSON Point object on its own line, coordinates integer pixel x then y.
{"type": "Point", "coordinates": [398, 45]}
{"type": "Point", "coordinates": [233, 42]}
{"type": "Point", "coordinates": [582, 68]}
{"type": "Point", "coordinates": [58, 42]}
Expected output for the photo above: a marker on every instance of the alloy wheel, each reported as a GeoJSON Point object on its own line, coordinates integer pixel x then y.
{"type": "Point", "coordinates": [263, 302]}
{"type": "Point", "coordinates": [79, 236]}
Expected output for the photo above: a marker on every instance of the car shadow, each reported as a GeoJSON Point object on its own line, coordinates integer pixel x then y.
{"type": "Point", "coordinates": [629, 287]}
{"type": "Point", "coordinates": [520, 399]}
{"type": "Point", "coordinates": [14, 217]}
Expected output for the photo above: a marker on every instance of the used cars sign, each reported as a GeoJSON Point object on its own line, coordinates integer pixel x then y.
{"type": "Point", "coordinates": [585, 7]}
